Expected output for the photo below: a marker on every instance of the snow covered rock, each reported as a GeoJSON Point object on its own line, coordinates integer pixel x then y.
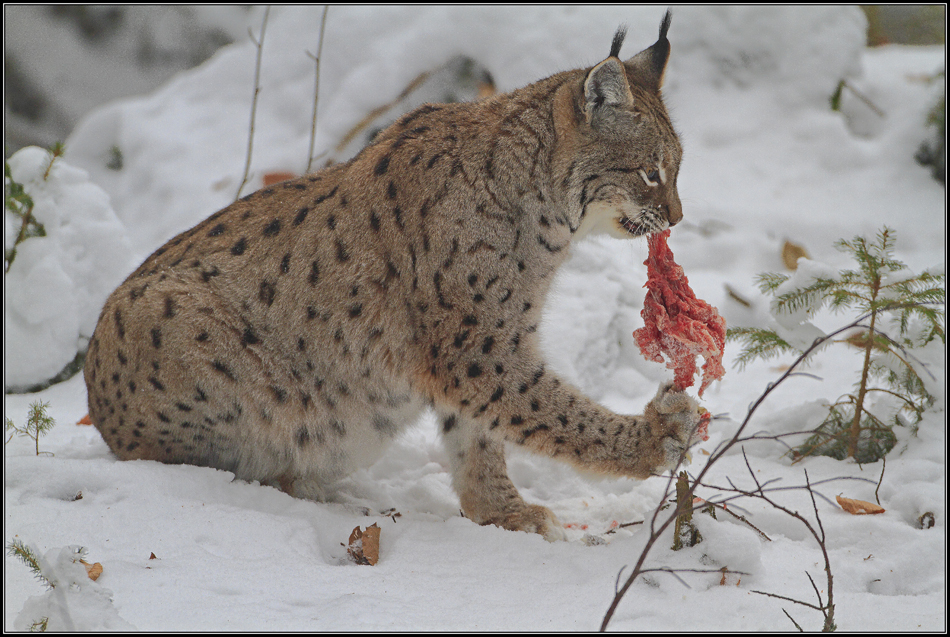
{"type": "Point", "coordinates": [56, 285]}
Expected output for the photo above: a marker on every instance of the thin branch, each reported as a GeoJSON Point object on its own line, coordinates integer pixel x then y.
{"type": "Point", "coordinates": [813, 586]}
{"type": "Point", "coordinates": [883, 466]}
{"type": "Point", "coordinates": [807, 375]}
{"type": "Point", "coordinates": [741, 518]}
{"type": "Point", "coordinates": [793, 621]}
{"type": "Point", "coordinates": [864, 98]}
{"type": "Point", "coordinates": [740, 493]}
{"type": "Point", "coordinates": [617, 581]}
{"type": "Point", "coordinates": [827, 609]}
{"type": "Point", "coordinates": [908, 354]}
{"type": "Point", "coordinates": [316, 86]}
{"type": "Point", "coordinates": [713, 458]}
{"type": "Point", "coordinates": [257, 89]}
{"type": "Point", "coordinates": [788, 599]}
{"type": "Point", "coordinates": [675, 572]}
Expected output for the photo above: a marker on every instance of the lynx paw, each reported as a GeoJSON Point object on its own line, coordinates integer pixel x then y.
{"type": "Point", "coordinates": [680, 416]}
{"type": "Point", "coordinates": [532, 518]}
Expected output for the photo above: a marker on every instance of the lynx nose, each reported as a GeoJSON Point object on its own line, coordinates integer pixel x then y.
{"type": "Point", "coordinates": [673, 211]}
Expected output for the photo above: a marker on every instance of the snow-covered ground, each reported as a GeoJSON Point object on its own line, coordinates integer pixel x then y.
{"type": "Point", "coordinates": [766, 160]}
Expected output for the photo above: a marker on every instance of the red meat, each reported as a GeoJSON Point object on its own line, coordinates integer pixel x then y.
{"type": "Point", "coordinates": [676, 323]}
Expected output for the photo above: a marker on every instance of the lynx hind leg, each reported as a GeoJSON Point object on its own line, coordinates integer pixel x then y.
{"type": "Point", "coordinates": [480, 478]}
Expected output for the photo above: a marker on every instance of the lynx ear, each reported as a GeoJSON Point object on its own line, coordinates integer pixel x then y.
{"type": "Point", "coordinates": [606, 87]}
{"type": "Point", "coordinates": [649, 65]}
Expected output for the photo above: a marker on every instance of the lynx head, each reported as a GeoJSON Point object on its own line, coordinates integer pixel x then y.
{"type": "Point", "coordinates": [618, 155]}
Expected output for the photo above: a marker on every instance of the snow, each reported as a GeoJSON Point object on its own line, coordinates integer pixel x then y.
{"type": "Point", "coordinates": [74, 601]}
{"type": "Point", "coordinates": [766, 160]}
{"type": "Point", "coordinates": [58, 283]}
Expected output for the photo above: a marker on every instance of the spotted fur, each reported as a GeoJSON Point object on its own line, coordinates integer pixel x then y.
{"type": "Point", "coordinates": [291, 336]}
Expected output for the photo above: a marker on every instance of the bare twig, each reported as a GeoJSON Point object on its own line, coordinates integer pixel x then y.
{"type": "Point", "coordinates": [827, 609]}
{"type": "Point", "coordinates": [741, 518]}
{"type": "Point", "coordinates": [793, 621]}
{"type": "Point", "coordinates": [883, 466]}
{"type": "Point", "coordinates": [864, 98]}
{"type": "Point", "coordinates": [745, 493]}
{"type": "Point", "coordinates": [316, 86]}
{"type": "Point", "coordinates": [719, 452]}
{"type": "Point", "coordinates": [676, 571]}
{"type": "Point", "coordinates": [789, 599]}
{"type": "Point", "coordinates": [617, 581]}
{"type": "Point", "coordinates": [56, 150]}
{"type": "Point", "coordinates": [257, 88]}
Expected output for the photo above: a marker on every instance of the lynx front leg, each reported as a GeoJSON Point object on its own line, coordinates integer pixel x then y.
{"type": "Point", "coordinates": [572, 427]}
{"type": "Point", "coordinates": [480, 477]}
{"type": "Point", "coordinates": [556, 419]}
{"type": "Point", "coordinates": [529, 405]}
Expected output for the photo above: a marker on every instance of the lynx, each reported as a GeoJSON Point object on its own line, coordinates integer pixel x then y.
{"type": "Point", "coordinates": [291, 336]}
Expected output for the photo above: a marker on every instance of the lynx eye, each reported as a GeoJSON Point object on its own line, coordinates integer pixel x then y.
{"type": "Point", "coordinates": [652, 178]}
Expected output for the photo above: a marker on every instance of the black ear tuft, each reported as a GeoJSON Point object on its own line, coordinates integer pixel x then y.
{"type": "Point", "coordinates": [665, 24]}
{"type": "Point", "coordinates": [618, 41]}
{"type": "Point", "coordinates": [648, 66]}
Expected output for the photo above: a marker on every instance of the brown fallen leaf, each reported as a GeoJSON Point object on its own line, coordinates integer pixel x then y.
{"type": "Point", "coordinates": [858, 507]}
{"type": "Point", "coordinates": [85, 420]}
{"type": "Point", "coordinates": [791, 253]}
{"type": "Point", "coordinates": [363, 546]}
{"type": "Point", "coordinates": [92, 570]}
{"type": "Point", "coordinates": [276, 177]}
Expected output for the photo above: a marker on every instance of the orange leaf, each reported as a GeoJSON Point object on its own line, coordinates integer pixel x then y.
{"type": "Point", "coordinates": [92, 570]}
{"type": "Point", "coordinates": [791, 253]}
{"type": "Point", "coordinates": [276, 177]}
{"type": "Point", "coordinates": [85, 420]}
{"type": "Point", "coordinates": [858, 507]}
{"type": "Point", "coordinates": [363, 546]}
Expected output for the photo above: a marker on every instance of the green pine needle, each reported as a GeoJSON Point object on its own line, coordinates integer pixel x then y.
{"type": "Point", "coordinates": [19, 550]}
{"type": "Point", "coordinates": [881, 289]}
{"type": "Point", "coordinates": [38, 424]}
{"type": "Point", "coordinates": [758, 343]}
{"type": "Point", "coordinates": [19, 203]}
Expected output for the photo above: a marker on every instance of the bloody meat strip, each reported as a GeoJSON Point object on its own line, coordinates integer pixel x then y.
{"type": "Point", "coordinates": [676, 323]}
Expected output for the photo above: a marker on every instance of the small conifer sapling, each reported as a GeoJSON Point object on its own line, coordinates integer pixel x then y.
{"type": "Point", "coordinates": [899, 311]}
{"type": "Point", "coordinates": [38, 423]}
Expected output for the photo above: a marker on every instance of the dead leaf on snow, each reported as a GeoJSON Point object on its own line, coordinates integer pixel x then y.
{"type": "Point", "coordinates": [791, 253]}
{"type": "Point", "coordinates": [276, 177]}
{"type": "Point", "coordinates": [92, 570]}
{"type": "Point", "coordinates": [363, 546]}
{"type": "Point", "coordinates": [858, 507]}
